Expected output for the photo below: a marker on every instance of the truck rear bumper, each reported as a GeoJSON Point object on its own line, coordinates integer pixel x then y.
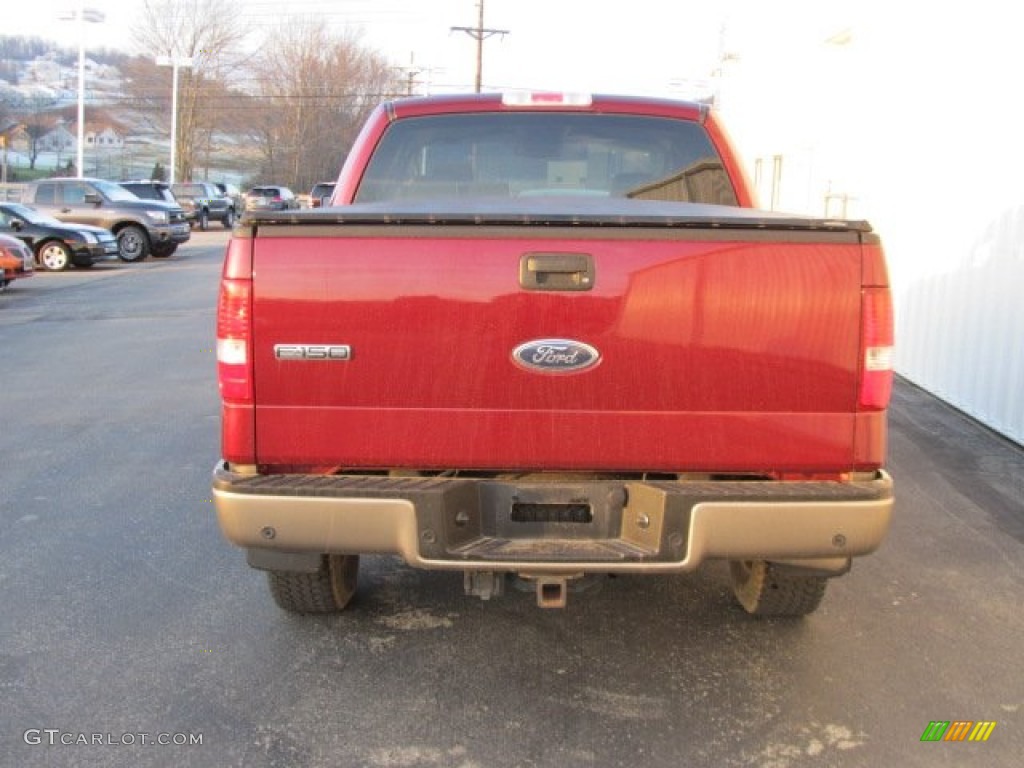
{"type": "Point", "coordinates": [556, 527]}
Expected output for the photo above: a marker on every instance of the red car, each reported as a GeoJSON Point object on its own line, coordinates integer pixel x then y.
{"type": "Point", "coordinates": [16, 260]}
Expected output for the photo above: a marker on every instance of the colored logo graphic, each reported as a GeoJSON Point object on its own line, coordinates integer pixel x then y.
{"type": "Point", "coordinates": [958, 730]}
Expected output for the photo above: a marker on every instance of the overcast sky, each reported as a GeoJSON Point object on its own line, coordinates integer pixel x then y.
{"type": "Point", "coordinates": [656, 47]}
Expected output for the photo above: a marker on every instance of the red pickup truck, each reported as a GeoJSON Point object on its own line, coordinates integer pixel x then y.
{"type": "Point", "coordinates": [550, 336]}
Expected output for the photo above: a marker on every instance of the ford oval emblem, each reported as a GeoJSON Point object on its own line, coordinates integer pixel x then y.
{"type": "Point", "coordinates": [555, 356]}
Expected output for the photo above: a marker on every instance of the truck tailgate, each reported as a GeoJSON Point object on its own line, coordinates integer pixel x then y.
{"type": "Point", "coordinates": [715, 351]}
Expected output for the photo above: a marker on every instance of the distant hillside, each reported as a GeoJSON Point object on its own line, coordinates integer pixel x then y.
{"type": "Point", "coordinates": [14, 48]}
{"type": "Point", "coordinates": [39, 84]}
{"type": "Point", "coordinates": [289, 118]}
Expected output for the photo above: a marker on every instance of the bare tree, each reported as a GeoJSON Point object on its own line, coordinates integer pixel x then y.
{"type": "Point", "coordinates": [314, 93]}
{"type": "Point", "coordinates": [211, 33]}
{"type": "Point", "coordinates": [7, 119]}
{"type": "Point", "coordinates": [37, 120]}
{"type": "Point", "coordinates": [34, 131]}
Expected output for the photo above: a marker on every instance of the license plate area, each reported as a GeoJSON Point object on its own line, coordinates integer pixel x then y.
{"type": "Point", "coordinates": [584, 510]}
{"type": "Point", "coordinates": [556, 521]}
{"type": "Point", "coordinates": [533, 512]}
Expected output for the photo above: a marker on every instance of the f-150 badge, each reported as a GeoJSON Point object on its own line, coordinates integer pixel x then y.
{"type": "Point", "coordinates": [328, 352]}
{"type": "Point", "coordinates": [555, 356]}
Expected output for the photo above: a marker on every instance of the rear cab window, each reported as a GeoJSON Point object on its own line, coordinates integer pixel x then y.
{"type": "Point", "coordinates": [74, 193]}
{"type": "Point", "coordinates": [535, 154]}
{"type": "Point", "coordinates": [150, 192]}
{"type": "Point", "coordinates": [46, 194]}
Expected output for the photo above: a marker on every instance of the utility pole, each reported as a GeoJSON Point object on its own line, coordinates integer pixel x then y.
{"type": "Point", "coordinates": [718, 73]}
{"type": "Point", "coordinates": [410, 73]}
{"type": "Point", "coordinates": [410, 81]}
{"type": "Point", "coordinates": [480, 34]}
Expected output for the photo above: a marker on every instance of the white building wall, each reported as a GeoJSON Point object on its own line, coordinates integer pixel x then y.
{"type": "Point", "coordinates": [910, 114]}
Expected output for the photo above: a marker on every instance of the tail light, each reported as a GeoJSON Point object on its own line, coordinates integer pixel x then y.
{"type": "Point", "coordinates": [234, 329]}
{"type": "Point", "coordinates": [233, 316]}
{"type": "Point", "coordinates": [876, 335]}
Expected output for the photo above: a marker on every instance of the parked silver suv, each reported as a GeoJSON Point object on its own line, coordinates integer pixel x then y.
{"type": "Point", "coordinates": [270, 197]}
{"type": "Point", "coordinates": [142, 227]}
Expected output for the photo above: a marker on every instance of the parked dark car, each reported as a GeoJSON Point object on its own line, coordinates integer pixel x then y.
{"type": "Point", "coordinates": [15, 260]}
{"type": "Point", "coordinates": [270, 197]}
{"type": "Point", "coordinates": [57, 245]}
{"type": "Point", "coordinates": [205, 203]}
{"type": "Point", "coordinates": [142, 227]}
{"type": "Point", "coordinates": [321, 194]}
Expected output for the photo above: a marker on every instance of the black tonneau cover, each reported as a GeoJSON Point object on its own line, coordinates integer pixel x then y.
{"type": "Point", "coordinates": [555, 210]}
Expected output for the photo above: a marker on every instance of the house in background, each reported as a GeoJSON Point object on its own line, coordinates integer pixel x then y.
{"type": "Point", "coordinates": [103, 137]}
{"type": "Point", "coordinates": [106, 153]}
{"type": "Point", "coordinates": [53, 140]}
{"type": "Point", "coordinates": [10, 131]}
{"type": "Point", "coordinates": [58, 140]}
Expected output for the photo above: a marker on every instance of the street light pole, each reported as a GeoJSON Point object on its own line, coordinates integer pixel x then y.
{"type": "Point", "coordinates": [174, 62]}
{"type": "Point", "coordinates": [83, 15]}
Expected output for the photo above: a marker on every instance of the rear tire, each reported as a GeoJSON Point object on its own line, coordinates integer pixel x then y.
{"type": "Point", "coordinates": [229, 219]}
{"type": "Point", "coordinates": [328, 590]}
{"type": "Point", "coordinates": [768, 589]}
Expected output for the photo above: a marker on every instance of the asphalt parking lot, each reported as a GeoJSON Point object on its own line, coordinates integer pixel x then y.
{"type": "Point", "coordinates": [132, 634]}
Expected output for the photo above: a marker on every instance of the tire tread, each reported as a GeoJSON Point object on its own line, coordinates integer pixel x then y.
{"type": "Point", "coordinates": [328, 590]}
{"type": "Point", "coordinates": [764, 589]}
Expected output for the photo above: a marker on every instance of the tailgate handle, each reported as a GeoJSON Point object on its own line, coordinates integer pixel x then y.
{"type": "Point", "coordinates": [556, 271]}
